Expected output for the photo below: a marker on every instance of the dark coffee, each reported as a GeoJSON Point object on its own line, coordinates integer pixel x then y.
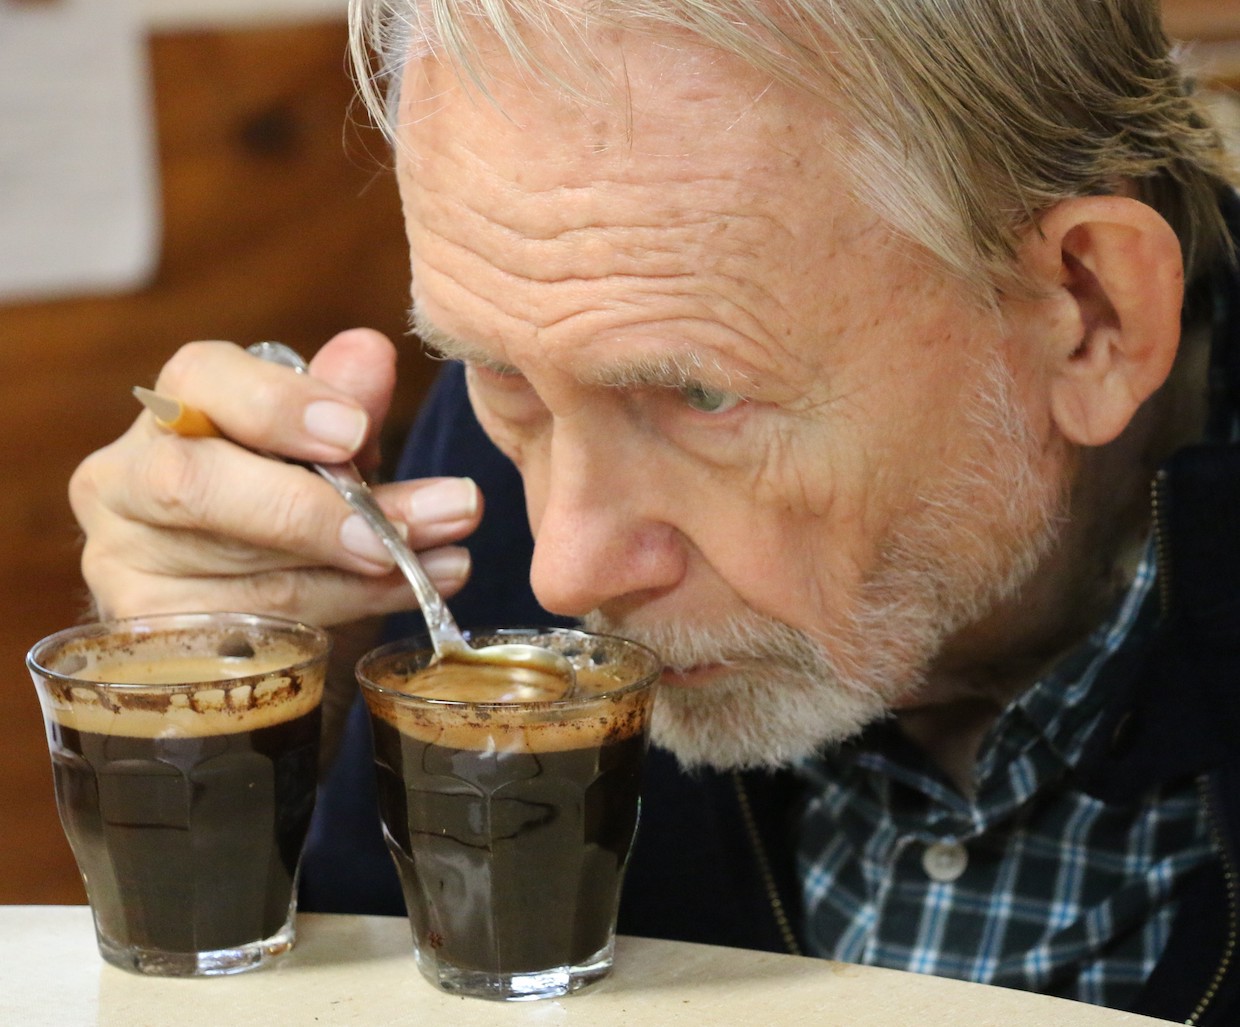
{"type": "Point", "coordinates": [510, 807]}
{"type": "Point", "coordinates": [188, 844]}
{"type": "Point", "coordinates": [185, 755]}
{"type": "Point", "coordinates": [511, 861]}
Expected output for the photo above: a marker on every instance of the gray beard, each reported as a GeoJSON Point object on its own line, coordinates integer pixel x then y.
{"type": "Point", "coordinates": [976, 537]}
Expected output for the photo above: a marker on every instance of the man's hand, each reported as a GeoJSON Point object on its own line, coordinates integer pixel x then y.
{"type": "Point", "coordinates": [176, 524]}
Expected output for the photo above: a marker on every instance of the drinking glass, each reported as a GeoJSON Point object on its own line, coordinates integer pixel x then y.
{"type": "Point", "coordinates": [509, 808]}
{"type": "Point", "coordinates": [184, 751]}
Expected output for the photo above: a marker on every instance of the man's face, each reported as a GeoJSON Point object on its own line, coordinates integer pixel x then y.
{"type": "Point", "coordinates": [755, 430]}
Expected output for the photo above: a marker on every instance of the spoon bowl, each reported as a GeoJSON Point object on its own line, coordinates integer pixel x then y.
{"type": "Point", "coordinates": [446, 637]}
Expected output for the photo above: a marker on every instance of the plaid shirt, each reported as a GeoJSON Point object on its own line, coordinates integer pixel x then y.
{"type": "Point", "coordinates": [1031, 884]}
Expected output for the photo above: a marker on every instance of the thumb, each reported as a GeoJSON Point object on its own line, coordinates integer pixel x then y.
{"type": "Point", "coordinates": [362, 363]}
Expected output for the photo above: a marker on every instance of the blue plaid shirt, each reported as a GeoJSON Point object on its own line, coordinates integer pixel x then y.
{"type": "Point", "coordinates": [1032, 883]}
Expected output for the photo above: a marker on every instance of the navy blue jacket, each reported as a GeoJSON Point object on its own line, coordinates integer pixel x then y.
{"type": "Point", "coordinates": [714, 860]}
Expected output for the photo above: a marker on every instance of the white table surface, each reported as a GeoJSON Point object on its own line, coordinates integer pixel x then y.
{"type": "Point", "coordinates": [359, 970]}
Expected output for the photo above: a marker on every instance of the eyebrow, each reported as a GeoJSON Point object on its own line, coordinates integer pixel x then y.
{"type": "Point", "coordinates": [677, 370]}
{"type": "Point", "coordinates": [442, 346]}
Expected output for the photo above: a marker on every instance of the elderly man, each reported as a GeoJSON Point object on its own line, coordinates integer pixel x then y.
{"type": "Point", "coordinates": [838, 344]}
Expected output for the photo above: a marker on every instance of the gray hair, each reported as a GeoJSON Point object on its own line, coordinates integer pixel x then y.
{"type": "Point", "coordinates": [965, 119]}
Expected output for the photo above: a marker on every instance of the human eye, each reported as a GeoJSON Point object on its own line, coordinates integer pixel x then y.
{"type": "Point", "coordinates": [706, 400]}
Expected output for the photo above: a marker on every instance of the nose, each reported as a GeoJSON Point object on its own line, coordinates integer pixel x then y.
{"type": "Point", "coordinates": [597, 537]}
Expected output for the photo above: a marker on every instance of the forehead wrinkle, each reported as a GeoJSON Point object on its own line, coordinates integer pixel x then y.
{"type": "Point", "coordinates": [623, 253]}
{"type": "Point", "coordinates": [628, 233]}
{"type": "Point", "coordinates": [592, 302]}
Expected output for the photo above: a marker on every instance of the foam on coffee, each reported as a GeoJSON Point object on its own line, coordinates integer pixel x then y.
{"type": "Point", "coordinates": [463, 706]}
{"type": "Point", "coordinates": [160, 686]}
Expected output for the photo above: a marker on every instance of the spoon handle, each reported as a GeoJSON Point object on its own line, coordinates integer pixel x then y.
{"type": "Point", "coordinates": [348, 481]}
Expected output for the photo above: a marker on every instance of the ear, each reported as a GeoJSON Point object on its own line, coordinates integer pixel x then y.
{"type": "Point", "coordinates": [1116, 276]}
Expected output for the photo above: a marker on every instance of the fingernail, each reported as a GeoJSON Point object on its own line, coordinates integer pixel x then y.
{"type": "Point", "coordinates": [335, 424]}
{"type": "Point", "coordinates": [447, 566]}
{"type": "Point", "coordinates": [359, 538]}
{"type": "Point", "coordinates": [453, 499]}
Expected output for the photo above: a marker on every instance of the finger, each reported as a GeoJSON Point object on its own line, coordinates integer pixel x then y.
{"type": "Point", "coordinates": [435, 511]}
{"type": "Point", "coordinates": [262, 514]}
{"type": "Point", "coordinates": [362, 363]}
{"type": "Point", "coordinates": [320, 596]}
{"type": "Point", "coordinates": [191, 551]}
{"type": "Point", "coordinates": [206, 506]}
{"type": "Point", "coordinates": [266, 406]}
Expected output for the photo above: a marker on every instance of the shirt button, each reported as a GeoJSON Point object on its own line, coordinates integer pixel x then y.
{"type": "Point", "coordinates": [944, 861]}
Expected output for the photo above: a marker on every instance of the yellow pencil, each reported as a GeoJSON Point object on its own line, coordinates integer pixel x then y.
{"type": "Point", "coordinates": [175, 416]}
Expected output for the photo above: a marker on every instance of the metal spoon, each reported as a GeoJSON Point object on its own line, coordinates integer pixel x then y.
{"type": "Point", "coordinates": [446, 637]}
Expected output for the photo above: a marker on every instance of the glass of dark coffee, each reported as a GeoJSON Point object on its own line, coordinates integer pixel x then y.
{"type": "Point", "coordinates": [509, 808]}
{"type": "Point", "coordinates": [185, 752]}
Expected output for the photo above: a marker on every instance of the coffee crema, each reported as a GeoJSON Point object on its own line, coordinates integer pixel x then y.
{"type": "Point", "coordinates": [490, 723]}
{"type": "Point", "coordinates": [148, 697]}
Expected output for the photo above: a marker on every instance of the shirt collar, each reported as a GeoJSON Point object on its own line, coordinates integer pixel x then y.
{"type": "Point", "coordinates": [1038, 739]}
{"type": "Point", "coordinates": [1062, 707]}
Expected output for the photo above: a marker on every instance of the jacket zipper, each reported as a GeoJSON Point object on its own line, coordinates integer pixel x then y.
{"type": "Point", "coordinates": [782, 921]}
{"type": "Point", "coordinates": [1162, 547]}
{"type": "Point", "coordinates": [1232, 885]}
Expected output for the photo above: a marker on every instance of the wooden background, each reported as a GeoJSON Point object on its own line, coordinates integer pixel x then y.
{"type": "Point", "coordinates": [280, 222]}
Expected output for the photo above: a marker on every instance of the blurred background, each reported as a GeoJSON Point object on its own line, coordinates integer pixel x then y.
{"type": "Point", "coordinates": [268, 212]}
{"type": "Point", "coordinates": [174, 170]}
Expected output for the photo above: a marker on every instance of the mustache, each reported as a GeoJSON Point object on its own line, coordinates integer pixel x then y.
{"type": "Point", "coordinates": [741, 639]}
